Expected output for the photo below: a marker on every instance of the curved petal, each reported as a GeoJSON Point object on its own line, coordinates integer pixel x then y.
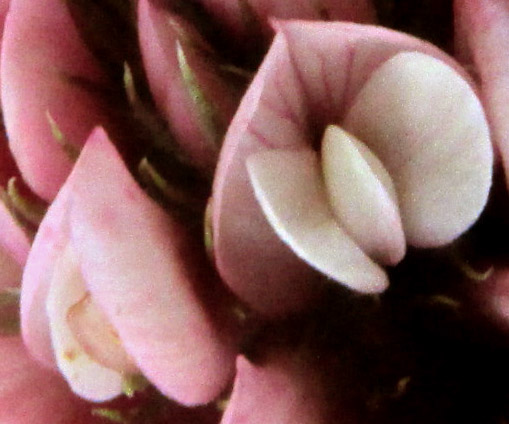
{"type": "Point", "coordinates": [440, 156]}
{"type": "Point", "coordinates": [482, 28]}
{"type": "Point", "coordinates": [38, 78]}
{"type": "Point", "coordinates": [291, 192]}
{"type": "Point", "coordinates": [362, 196]}
{"type": "Point", "coordinates": [138, 264]}
{"type": "Point", "coordinates": [32, 395]}
{"type": "Point", "coordinates": [197, 103]}
{"type": "Point", "coordinates": [283, 389]}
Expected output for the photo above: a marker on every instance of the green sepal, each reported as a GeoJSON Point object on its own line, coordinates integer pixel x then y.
{"type": "Point", "coordinates": [129, 86]}
{"type": "Point", "coordinates": [69, 149]}
{"type": "Point", "coordinates": [146, 116]}
{"type": "Point", "coordinates": [134, 383]}
{"type": "Point", "coordinates": [208, 235]}
{"type": "Point", "coordinates": [443, 300]}
{"type": "Point", "coordinates": [26, 211]}
{"type": "Point", "coordinates": [113, 415]}
{"type": "Point", "coordinates": [222, 404]}
{"type": "Point", "coordinates": [207, 113]}
{"type": "Point", "coordinates": [153, 178]}
{"type": "Point", "coordinates": [29, 209]}
{"type": "Point", "coordinates": [27, 229]}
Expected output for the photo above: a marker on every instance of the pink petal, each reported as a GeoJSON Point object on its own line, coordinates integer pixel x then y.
{"type": "Point", "coordinates": [35, 82]}
{"type": "Point", "coordinates": [289, 187]}
{"type": "Point", "coordinates": [246, 250]}
{"type": "Point", "coordinates": [362, 196]}
{"type": "Point", "coordinates": [231, 14]}
{"type": "Point", "coordinates": [282, 390]}
{"type": "Point", "coordinates": [48, 245]}
{"type": "Point", "coordinates": [32, 395]}
{"type": "Point", "coordinates": [482, 28]}
{"type": "Point", "coordinates": [428, 128]}
{"type": "Point", "coordinates": [142, 270]}
{"type": "Point", "coordinates": [158, 40]}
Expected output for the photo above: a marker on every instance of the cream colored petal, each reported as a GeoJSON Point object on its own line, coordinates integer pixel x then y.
{"type": "Point", "coordinates": [362, 197]}
{"type": "Point", "coordinates": [87, 378]}
{"type": "Point", "coordinates": [290, 190]}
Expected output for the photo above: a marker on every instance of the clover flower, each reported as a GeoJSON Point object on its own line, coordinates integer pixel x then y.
{"type": "Point", "coordinates": [344, 177]}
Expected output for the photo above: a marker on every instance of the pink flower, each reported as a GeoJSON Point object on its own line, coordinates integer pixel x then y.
{"type": "Point", "coordinates": [94, 263]}
{"type": "Point", "coordinates": [415, 174]}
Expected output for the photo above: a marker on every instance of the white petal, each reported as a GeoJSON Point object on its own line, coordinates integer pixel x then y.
{"type": "Point", "coordinates": [86, 377]}
{"type": "Point", "coordinates": [361, 194]}
{"type": "Point", "coordinates": [426, 125]}
{"type": "Point", "coordinates": [289, 187]}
